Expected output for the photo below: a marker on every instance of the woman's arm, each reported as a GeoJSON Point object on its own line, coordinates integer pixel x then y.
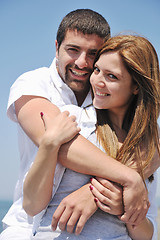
{"type": "Point", "coordinates": [148, 227]}
{"type": "Point", "coordinates": [36, 190]}
{"type": "Point", "coordinates": [143, 231]}
{"type": "Point", "coordinates": [101, 188]}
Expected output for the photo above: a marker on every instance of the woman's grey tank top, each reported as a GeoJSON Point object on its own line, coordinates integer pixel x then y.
{"type": "Point", "coordinates": [100, 226]}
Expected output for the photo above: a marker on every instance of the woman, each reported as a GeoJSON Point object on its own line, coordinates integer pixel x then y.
{"type": "Point", "coordinates": [125, 84]}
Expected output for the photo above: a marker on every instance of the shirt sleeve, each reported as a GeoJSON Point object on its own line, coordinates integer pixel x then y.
{"type": "Point", "coordinates": [152, 212]}
{"type": "Point", "coordinates": [85, 117]}
{"type": "Point", "coordinates": [34, 83]}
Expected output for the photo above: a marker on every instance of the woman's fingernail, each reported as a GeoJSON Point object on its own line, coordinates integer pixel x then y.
{"type": "Point", "coordinates": [91, 188]}
{"type": "Point", "coordinates": [91, 179]}
{"type": "Point", "coordinates": [96, 200]}
{"type": "Point", "coordinates": [41, 113]}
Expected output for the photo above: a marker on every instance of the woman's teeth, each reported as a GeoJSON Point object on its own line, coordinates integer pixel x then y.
{"type": "Point", "coordinates": [102, 94]}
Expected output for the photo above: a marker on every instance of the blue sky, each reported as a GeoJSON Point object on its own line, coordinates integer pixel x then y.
{"type": "Point", "coordinates": [28, 30]}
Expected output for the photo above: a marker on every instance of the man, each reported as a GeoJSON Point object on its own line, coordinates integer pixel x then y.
{"type": "Point", "coordinates": [79, 36]}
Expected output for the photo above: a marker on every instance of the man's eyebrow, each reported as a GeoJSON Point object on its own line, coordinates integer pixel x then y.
{"type": "Point", "coordinates": [72, 45]}
{"type": "Point", "coordinates": [94, 50]}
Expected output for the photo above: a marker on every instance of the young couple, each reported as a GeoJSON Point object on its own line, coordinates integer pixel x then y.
{"type": "Point", "coordinates": [125, 84]}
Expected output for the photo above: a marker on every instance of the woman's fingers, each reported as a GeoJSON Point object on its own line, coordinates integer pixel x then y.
{"type": "Point", "coordinates": [62, 129]}
{"type": "Point", "coordinates": [43, 119]}
{"type": "Point", "coordinates": [108, 196]}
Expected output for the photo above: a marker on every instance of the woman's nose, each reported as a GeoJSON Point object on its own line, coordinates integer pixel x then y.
{"type": "Point", "coordinates": [99, 82]}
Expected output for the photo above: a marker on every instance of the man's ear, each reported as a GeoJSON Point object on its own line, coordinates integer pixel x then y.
{"type": "Point", "coordinates": [56, 44]}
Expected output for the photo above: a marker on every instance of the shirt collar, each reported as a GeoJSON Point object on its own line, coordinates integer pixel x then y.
{"type": "Point", "coordinates": [55, 76]}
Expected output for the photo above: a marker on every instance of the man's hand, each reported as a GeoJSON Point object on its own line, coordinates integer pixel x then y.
{"type": "Point", "coordinates": [136, 203]}
{"type": "Point", "coordinates": [75, 209]}
{"type": "Point", "coordinates": [108, 196]}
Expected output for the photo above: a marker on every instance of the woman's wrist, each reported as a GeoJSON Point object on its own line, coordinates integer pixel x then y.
{"type": "Point", "coordinates": [49, 144]}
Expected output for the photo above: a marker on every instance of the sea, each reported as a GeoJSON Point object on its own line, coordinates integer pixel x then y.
{"type": "Point", "coordinates": [4, 206]}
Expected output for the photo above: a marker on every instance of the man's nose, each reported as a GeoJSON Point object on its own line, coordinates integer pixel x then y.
{"type": "Point", "coordinates": [81, 61]}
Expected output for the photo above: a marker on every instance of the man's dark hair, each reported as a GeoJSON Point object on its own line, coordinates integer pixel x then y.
{"type": "Point", "coordinates": [86, 21]}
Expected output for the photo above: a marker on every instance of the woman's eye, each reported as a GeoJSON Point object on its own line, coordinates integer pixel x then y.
{"type": "Point", "coordinates": [96, 70]}
{"type": "Point", "coordinates": [112, 76]}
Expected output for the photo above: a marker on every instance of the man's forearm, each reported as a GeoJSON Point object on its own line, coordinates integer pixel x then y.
{"type": "Point", "coordinates": [82, 156]}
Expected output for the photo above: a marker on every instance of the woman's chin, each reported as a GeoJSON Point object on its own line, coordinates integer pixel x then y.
{"type": "Point", "coordinates": [97, 106]}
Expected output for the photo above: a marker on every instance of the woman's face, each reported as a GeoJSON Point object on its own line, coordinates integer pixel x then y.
{"type": "Point", "coordinates": [112, 84]}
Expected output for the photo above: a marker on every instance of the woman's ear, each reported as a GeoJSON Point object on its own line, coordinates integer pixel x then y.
{"type": "Point", "coordinates": [135, 89]}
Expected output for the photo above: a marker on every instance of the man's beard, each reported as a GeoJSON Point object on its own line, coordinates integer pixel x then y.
{"type": "Point", "coordinates": [84, 85]}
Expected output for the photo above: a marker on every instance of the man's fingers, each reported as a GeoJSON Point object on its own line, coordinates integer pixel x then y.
{"type": "Point", "coordinates": [134, 217]}
{"type": "Point", "coordinates": [125, 217]}
{"type": "Point", "coordinates": [137, 217]}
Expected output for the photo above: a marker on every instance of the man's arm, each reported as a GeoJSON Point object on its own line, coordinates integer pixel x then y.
{"type": "Point", "coordinates": [28, 110]}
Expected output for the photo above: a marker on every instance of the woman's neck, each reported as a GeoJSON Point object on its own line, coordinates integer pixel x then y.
{"type": "Point", "coordinates": [120, 133]}
{"type": "Point", "coordinates": [117, 125]}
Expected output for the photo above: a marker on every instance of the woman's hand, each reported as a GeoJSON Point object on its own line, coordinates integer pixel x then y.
{"type": "Point", "coordinates": [108, 196]}
{"type": "Point", "coordinates": [74, 210]}
{"type": "Point", "coordinates": [112, 199]}
{"type": "Point", "coordinates": [60, 130]}
{"type": "Point", "coordinates": [38, 185]}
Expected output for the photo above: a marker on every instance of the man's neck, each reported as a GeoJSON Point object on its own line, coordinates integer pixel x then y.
{"type": "Point", "coordinates": [81, 97]}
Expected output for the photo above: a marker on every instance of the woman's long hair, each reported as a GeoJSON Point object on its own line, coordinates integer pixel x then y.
{"type": "Point", "coordinates": [140, 122]}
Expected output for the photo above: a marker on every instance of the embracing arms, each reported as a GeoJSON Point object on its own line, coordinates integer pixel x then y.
{"type": "Point", "coordinates": [90, 161]}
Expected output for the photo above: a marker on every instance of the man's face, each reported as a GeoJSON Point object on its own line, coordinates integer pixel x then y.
{"type": "Point", "coordinates": [75, 59]}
